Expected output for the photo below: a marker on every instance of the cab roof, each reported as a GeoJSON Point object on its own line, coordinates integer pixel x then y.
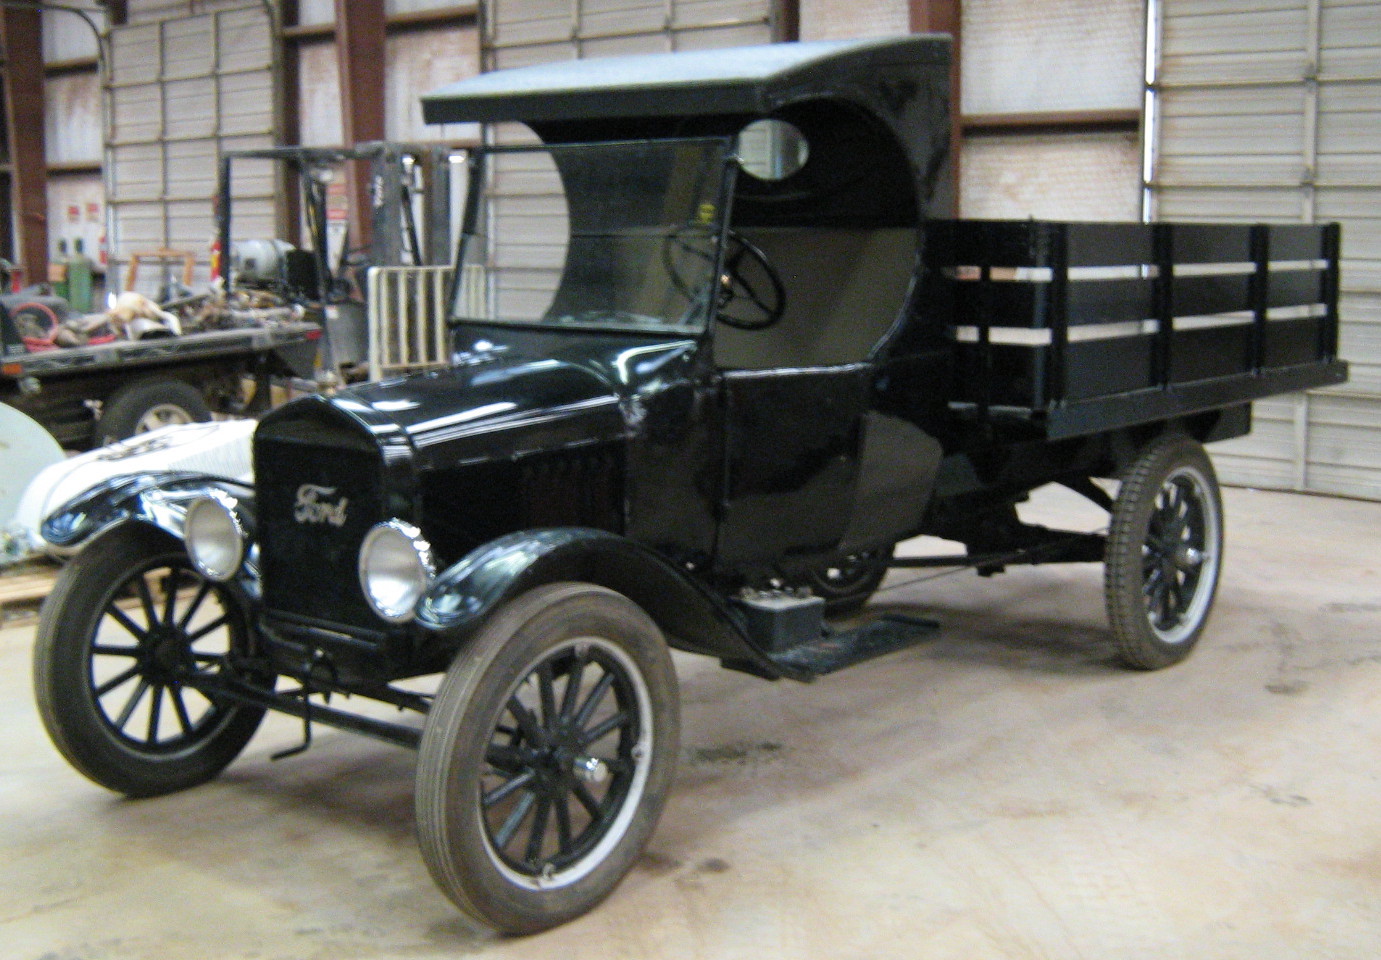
{"type": "Point", "coordinates": [734, 81]}
{"type": "Point", "coordinates": [874, 113]}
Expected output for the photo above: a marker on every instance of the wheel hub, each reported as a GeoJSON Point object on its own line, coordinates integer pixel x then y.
{"type": "Point", "coordinates": [562, 759]}
{"type": "Point", "coordinates": [165, 652]}
{"type": "Point", "coordinates": [591, 769]}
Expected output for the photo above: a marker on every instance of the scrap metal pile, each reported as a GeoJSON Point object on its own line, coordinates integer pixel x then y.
{"type": "Point", "coordinates": [48, 323]}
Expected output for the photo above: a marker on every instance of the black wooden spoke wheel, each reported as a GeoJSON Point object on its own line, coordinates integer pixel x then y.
{"type": "Point", "coordinates": [128, 630]}
{"type": "Point", "coordinates": [547, 757]}
{"type": "Point", "coordinates": [848, 584]}
{"type": "Point", "coordinates": [1164, 553]}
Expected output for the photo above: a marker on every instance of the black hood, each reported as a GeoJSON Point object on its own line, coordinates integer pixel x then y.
{"type": "Point", "coordinates": [511, 393]}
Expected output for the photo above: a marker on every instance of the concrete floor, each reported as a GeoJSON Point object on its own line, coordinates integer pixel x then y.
{"type": "Point", "coordinates": [1003, 791]}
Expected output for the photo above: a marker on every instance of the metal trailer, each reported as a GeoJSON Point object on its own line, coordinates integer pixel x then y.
{"type": "Point", "coordinates": [88, 396]}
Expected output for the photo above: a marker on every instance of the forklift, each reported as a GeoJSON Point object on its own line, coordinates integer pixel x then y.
{"type": "Point", "coordinates": [322, 268]}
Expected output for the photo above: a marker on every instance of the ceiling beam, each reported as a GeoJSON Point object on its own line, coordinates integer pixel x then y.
{"type": "Point", "coordinates": [1054, 121]}
{"type": "Point", "coordinates": [459, 16]}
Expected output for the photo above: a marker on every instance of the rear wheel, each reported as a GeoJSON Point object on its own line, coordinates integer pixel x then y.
{"type": "Point", "coordinates": [146, 406]}
{"type": "Point", "coordinates": [1164, 553]}
{"type": "Point", "coordinates": [848, 584]}
{"type": "Point", "coordinates": [547, 757]}
{"type": "Point", "coordinates": [128, 629]}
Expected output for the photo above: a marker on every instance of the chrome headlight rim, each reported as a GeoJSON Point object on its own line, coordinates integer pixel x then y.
{"type": "Point", "coordinates": [410, 538]}
{"type": "Point", "coordinates": [224, 506]}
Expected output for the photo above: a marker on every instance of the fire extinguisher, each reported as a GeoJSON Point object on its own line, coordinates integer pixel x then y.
{"type": "Point", "coordinates": [215, 258]}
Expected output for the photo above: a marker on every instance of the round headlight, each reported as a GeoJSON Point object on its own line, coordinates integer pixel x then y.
{"type": "Point", "coordinates": [395, 569]}
{"type": "Point", "coordinates": [215, 539]}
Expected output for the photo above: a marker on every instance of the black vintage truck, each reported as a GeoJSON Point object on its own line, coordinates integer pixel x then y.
{"type": "Point", "coordinates": [713, 375]}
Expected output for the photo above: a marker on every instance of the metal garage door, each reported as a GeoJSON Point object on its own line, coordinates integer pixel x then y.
{"type": "Point", "coordinates": [526, 225]}
{"type": "Point", "coordinates": [180, 91]}
{"type": "Point", "coordinates": [1271, 110]}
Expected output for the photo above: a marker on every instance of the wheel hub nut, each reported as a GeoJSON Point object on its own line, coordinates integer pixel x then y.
{"type": "Point", "coordinates": [591, 769]}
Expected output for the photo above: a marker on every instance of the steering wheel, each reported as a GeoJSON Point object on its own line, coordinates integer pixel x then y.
{"type": "Point", "coordinates": [751, 293]}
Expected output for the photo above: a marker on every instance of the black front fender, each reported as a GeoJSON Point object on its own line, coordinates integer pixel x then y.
{"type": "Point", "coordinates": [694, 619]}
{"type": "Point", "coordinates": [158, 499]}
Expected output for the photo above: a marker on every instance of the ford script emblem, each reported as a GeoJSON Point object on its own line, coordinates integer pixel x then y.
{"type": "Point", "coordinates": [311, 508]}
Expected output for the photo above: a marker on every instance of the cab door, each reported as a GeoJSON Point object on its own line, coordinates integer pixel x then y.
{"type": "Point", "coordinates": [792, 440]}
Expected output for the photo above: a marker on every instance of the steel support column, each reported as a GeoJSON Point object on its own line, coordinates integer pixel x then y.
{"type": "Point", "coordinates": [22, 34]}
{"type": "Point", "coordinates": [945, 16]}
{"type": "Point", "coordinates": [290, 209]}
{"type": "Point", "coordinates": [786, 19]}
{"type": "Point", "coordinates": [360, 34]}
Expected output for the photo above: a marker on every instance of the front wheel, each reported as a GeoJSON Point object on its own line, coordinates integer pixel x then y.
{"type": "Point", "coordinates": [547, 757]}
{"type": "Point", "coordinates": [1164, 553]}
{"type": "Point", "coordinates": [127, 632]}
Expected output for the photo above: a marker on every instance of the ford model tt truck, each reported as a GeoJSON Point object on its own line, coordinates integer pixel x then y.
{"type": "Point", "coordinates": [695, 406]}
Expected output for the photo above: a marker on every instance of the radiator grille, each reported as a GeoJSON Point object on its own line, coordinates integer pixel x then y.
{"type": "Point", "coordinates": [316, 501]}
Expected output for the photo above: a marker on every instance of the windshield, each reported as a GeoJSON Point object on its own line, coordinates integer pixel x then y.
{"type": "Point", "coordinates": [608, 236]}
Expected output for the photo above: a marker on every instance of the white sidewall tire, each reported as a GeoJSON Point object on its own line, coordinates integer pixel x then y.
{"type": "Point", "coordinates": [451, 832]}
{"type": "Point", "coordinates": [1140, 642]}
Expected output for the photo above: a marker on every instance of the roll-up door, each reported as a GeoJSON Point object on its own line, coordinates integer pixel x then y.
{"type": "Point", "coordinates": [181, 89]}
{"type": "Point", "coordinates": [1270, 110]}
{"type": "Point", "coordinates": [1065, 62]}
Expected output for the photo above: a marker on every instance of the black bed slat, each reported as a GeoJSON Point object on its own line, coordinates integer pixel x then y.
{"type": "Point", "coordinates": [1216, 271]}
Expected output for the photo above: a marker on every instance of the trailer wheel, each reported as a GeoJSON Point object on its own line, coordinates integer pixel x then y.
{"type": "Point", "coordinates": [148, 405]}
{"type": "Point", "coordinates": [546, 757]}
{"type": "Point", "coordinates": [128, 623]}
{"type": "Point", "coordinates": [848, 584]}
{"type": "Point", "coordinates": [1164, 553]}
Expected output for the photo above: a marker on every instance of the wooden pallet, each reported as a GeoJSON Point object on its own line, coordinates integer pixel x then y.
{"type": "Point", "coordinates": [21, 592]}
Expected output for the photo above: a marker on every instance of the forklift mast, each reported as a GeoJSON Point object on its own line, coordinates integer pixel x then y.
{"type": "Point", "coordinates": [408, 183]}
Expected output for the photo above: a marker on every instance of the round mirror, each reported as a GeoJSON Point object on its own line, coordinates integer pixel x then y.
{"type": "Point", "coordinates": [772, 149]}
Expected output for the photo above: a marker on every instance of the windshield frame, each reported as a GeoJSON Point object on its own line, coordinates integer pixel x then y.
{"type": "Point", "coordinates": [717, 229]}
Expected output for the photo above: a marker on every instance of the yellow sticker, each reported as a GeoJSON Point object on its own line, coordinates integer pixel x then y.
{"type": "Point", "coordinates": [707, 212]}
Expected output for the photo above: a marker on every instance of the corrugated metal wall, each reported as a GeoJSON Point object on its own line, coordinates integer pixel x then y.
{"type": "Point", "coordinates": [73, 135]}
{"type": "Point", "coordinates": [416, 61]}
{"type": "Point", "coordinates": [1052, 56]}
{"type": "Point", "coordinates": [183, 86]}
{"type": "Point", "coordinates": [520, 32]}
{"type": "Point", "coordinates": [1271, 110]}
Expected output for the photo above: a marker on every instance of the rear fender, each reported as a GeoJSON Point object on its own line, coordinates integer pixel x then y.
{"type": "Point", "coordinates": [157, 499]}
{"type": "Point", "coordinates": [464, 595]}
